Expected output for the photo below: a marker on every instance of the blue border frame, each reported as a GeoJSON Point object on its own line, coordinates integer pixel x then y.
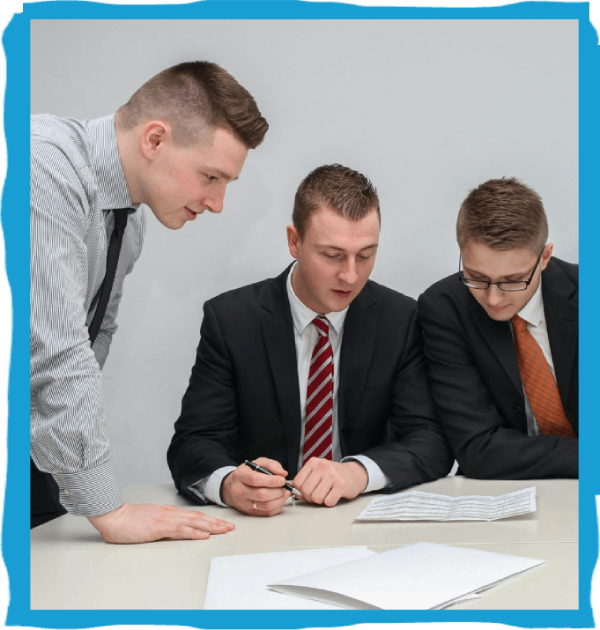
{"type": "Point", "coordinates": [14, 215]}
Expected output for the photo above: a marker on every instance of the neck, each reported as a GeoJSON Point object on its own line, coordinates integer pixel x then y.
{"type": "Point", "coordinates": [126, 142]}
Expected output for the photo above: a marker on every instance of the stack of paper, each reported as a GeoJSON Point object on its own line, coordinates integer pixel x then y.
{"type": "Point", "coordinates": [419, 576]}
{"type": "Point", "coordinates": [416, 577]}
{"type": "Point", "coordinates": [426, 506]}
{"type": "Point", "coordinates": [240, 582]}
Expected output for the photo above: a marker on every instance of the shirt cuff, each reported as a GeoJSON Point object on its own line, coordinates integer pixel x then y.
{"type": "Point", "coordinates": [377, 478]}
{"type": "Point", "coordinates": [209, 488]}
{"type": "Point", "coordinates": [90, 492]}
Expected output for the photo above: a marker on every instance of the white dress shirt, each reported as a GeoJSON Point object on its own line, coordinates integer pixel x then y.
{"type": "Point", "coordinates": [76, 180]}
{"type": "Point", "coordinates": [305, 335]}
{"type": "Point", "coordinates": [533, 313]}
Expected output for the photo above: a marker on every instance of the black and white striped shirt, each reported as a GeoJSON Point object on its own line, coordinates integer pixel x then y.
{"type": "Point", "coordinates": [76, 179]}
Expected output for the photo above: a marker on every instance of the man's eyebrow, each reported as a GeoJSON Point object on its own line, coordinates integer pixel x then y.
{"type": "Point", "coordinates": [341, 249]}
{"type": "Point", "coordinates": [506, 278]}
{"type": "Point", "coordinates": [472, 271]}
{"type": "Point", "coordinates": [222, 174]}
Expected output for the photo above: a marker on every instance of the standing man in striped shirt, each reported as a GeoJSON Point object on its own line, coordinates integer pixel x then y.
{"type": "Point", "coordinates": [181, 138]}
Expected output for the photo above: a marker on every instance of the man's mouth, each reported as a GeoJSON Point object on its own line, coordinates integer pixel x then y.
{"type": "Point", "coordinates": [342, 293]}
{"type": "Point", "coordinates": [190, 213]}
{"type": "Point", "coordinates": [496, 309]}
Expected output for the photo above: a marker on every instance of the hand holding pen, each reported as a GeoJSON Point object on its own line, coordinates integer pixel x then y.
{"type": "Point", "coordinates": [287, 485]}
{"type": "Point", "coordinates": [254, 492]}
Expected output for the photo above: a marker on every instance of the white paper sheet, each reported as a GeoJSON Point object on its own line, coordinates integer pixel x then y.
{"type": "Point", "coordinates": [415, 577]}
{"type": "Point", "coordinates": [426, 506]}
{"type": "Point", "coordinates": [240, 582]}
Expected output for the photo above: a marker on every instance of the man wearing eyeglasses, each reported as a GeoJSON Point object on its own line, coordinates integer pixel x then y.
{"type": "Point", "coordinates": [501, 341]}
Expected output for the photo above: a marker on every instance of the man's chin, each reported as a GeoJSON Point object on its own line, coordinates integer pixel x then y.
{"type": "Point", "coordinates": [500, 315]}
{"type": "Point", "coordinates": [340, 302]}
{"type": "Point", "coordinates": [171, 221]}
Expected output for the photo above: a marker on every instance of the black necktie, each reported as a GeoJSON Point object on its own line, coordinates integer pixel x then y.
{"type": "Point", "coordinates": [114, 249]}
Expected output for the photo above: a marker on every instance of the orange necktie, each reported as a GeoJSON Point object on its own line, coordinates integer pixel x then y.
{"type": "Point", "coordinates": [538, 381]}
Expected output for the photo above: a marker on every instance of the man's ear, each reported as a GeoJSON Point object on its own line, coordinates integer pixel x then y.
{"type": "Point", "coordinates": [293, 239]}
{"type": "Point", "coordinates": [547, 255]}
{"type": "Point", "coordinates": [153, 135]}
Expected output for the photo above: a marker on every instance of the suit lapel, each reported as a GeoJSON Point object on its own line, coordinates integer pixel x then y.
{"type": "Point", "coordinates": [561, 321]}
{"type": "Point", "coordinates": [355, 358]}
{"type": "Point", "coordinates": [499, 338]}
{"type": "Point", "coordinates": [278, 334]}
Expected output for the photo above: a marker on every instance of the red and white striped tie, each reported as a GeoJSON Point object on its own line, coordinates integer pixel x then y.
{"type": "Point", "coordinates": [318, 425]}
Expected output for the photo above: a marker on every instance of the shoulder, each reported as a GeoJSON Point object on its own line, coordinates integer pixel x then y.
{"type": "Point", "coordinates": [557, 266]}
{"type": "Point", "coordinates": [57, 130]}
{"type": "Point", "coordinates": [391, 310]}
{"type": "Point", "coordinates": [448, 290]}
{"type": "Point", "coordinates": [250, 296]}
{"type": "Point", "coordinates": [390, 298]}
{"type": "Point", "coordinates": [446, 300]}
{"type": "Point", "coordinates": [55, 139]}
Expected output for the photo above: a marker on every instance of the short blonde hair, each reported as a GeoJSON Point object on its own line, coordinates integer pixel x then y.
{"type": "Point", "coordinates": [347, 192]}
{"type": "Point", "coordinates": [194, 97]}
{"type": "Point", "coordinates": [503, 214]}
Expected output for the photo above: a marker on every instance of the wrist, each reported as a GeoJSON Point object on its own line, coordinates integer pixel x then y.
{"type": "Point", "coordinates": [224, 490]}
{"type": "Point", "coordinates": [102, 521]}
{"type": "Point", "coordinates": [360, 475]}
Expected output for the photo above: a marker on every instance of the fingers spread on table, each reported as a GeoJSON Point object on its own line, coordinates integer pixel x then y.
{"type": "Point", "coordinates": [147, 523]}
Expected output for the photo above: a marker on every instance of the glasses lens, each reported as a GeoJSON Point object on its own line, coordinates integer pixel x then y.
{"type": "Point", "coordinates": [474, 284]}
{"type": "Point", "coordinates": [512, 286]}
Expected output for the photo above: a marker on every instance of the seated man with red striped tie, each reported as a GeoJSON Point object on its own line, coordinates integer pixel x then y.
{"type": "Point", "coordinates": [501, 341]}
{"type": "Point", "coordinates": [317, 375]}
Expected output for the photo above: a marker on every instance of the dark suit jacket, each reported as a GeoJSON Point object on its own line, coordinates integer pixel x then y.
{"type": "Point", "coordinates": [243, 399]}
{"type": "Point", "coordinates": [476, 383]}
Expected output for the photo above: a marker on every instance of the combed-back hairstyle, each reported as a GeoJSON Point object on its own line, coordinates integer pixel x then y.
{"type": "Point", "coordinates": [503, 214]}
{"type": "Point", "coordinates": [347, 192]}
{"type": "Point", "coordinates": [196, 97]}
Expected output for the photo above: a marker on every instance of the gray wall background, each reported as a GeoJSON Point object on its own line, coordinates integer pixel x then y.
{"type": "Point", "coordinates": [426, 109]}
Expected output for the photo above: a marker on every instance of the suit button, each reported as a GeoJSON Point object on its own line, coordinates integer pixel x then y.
{"type": "Point", "coordinates": [517, 409]}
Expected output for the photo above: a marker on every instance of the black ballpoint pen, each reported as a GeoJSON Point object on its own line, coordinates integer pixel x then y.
{"type": "Point", "coordinates": [260, 469]}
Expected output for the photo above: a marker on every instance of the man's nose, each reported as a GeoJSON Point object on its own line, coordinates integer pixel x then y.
{"type": "Point", "coordinates": [495, 295]}
{"type": "Point", "coordinates": [348, 274]}
{"type": "Point", "coordinates": [214, 201]}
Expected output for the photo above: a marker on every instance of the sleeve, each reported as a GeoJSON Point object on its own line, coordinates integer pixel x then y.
{"type": "Point", "coordinates": [419, 451]}
{"type": "Point", "coordinates": [206, 433]}
{"type": "Point", "coordinates": [376, 477]}
{"type": "Point", "coordinates": [68, 436]}
{"type": "Point", "coordinates": [209, 489]}
{"type": "Point", "coordinates": [485, 447]}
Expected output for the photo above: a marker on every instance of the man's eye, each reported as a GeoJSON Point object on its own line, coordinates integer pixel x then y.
{"type": "Point", "coordinates": [365, 256]}
{"type": "Point", "coordinates": [210, 177]}
{"type": "Point", "coordinates": [333, 256]}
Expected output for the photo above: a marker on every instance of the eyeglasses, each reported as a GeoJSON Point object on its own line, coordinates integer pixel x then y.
{"type": "Point", "coordinates": [508, 285]}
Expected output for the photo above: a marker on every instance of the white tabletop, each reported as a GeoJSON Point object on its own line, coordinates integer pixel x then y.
{"type": "Point", "coordinates": [72, 568]}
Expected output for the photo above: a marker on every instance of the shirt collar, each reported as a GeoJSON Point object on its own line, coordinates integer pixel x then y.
{"type": "Point", "coordinates": [533, 311]}
{"type": "Point", "coordinates": [303, 316]}
{"type": "Point", "coordinates": [112, 186]}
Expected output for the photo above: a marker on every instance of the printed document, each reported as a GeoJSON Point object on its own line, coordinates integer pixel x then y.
{"type": "Point", "coordinates": [426, 506]}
